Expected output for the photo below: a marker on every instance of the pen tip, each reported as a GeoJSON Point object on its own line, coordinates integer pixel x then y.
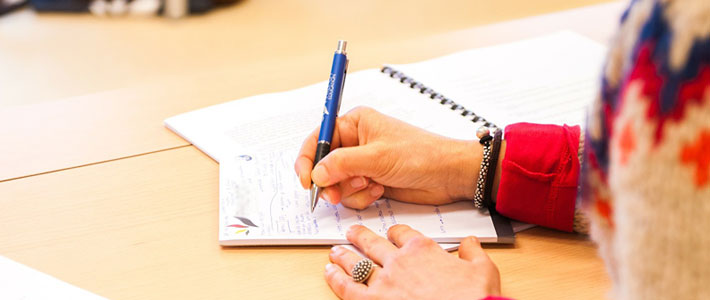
{"type": "Point", "coordinates": [315, 191]}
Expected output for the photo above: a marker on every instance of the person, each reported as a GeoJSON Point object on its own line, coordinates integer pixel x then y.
{"type": "Point", "coordinates": [644, 169]}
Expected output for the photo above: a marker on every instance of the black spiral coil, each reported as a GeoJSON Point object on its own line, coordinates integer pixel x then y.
{"type": "Point", "coordinates": [473, 117]}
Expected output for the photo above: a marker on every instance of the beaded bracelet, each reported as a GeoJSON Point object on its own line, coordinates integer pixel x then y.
{"type": "Point", "coordinates": [484, 137]}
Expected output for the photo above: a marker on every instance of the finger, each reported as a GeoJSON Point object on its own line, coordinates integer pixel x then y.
{"type": "Point", "coordinates": [355, 199]}
{"type": "Point", "coordinates": [363, 198]}
{"type": "Point", "coordinates": [307, 153]}
{"type": "Point", "coordinates": [374, 246]}
{"type": "Point", "coordinates": [470, 248]}
{"type": "Point", "coordinates": [303, 168]}
{"type": "Point", "coordinates": [353, 185]}
{"type": "Point", "coordinates": [344, 257]}
{"type": "Point", "coordinates": [304, 160]}
{"type": "Point", "coordinates": [346, 162]}
{"type": "Point", "coordinates": [345, 134]}
{"type": "Point", "coordinates": [337, 192]}
{"type": "Point", "coordinates": [401, 234]}
{"type": "Point", "coordinates": [331, 194]}
{"type": "Point", "coordinates": [343, 285]}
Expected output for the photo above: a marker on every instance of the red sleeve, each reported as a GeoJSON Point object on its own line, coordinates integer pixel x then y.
{"type": "Point", "coordinates": [539, 173]}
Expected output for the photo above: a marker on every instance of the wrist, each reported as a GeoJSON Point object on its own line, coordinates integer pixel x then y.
{"type": "Point", "coordinates": [462, 164]}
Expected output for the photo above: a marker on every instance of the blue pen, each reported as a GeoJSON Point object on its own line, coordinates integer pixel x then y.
{"type": "Point", "coordinates": [330, 112]}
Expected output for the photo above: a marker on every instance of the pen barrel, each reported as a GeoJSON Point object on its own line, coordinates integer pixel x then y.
{"type": "Point", "coordinates": [332, 99]}
{"type": "Point", "coordinates": [322, 150]}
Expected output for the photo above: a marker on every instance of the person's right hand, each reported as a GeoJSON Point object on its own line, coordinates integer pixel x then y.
{"type": "Point", "coordinates": [374, 155]}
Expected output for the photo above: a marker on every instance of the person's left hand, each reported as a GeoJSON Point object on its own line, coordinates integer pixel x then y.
{"type": "Point", "coordinates": [414, 267]}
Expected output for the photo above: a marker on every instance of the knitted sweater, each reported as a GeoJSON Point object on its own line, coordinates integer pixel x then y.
{"type": "Point", "coordinates": [647, 176]}
{"type": "Point", "coordinates": [646, 171]}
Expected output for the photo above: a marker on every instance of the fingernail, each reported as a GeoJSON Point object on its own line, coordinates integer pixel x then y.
{"type": "Point", "coordinates": [350, 229]}
{"type": "Point", "coordinates": [319, 174]}
{"type": "Point", "coordinates": [329, 268]}
{"type": "Point", "coordinates": [377, 190]}
{"type": "Point", "coordinates": [335, 248]}
{"type": "Point", "coordinates": [358, 182]}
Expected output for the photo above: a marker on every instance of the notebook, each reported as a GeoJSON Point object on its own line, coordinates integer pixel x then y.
{"type": "Point", "coordinates": [549, 79]}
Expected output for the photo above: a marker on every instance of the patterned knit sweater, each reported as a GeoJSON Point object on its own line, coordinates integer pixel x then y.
{"type": "Point", "coordinates": [646, 175]}
{"type": "Point", "coordinates": [646, 161]}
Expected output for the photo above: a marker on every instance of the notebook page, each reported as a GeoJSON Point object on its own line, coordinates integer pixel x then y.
{"type": "Point", "coordinates": [281, 121]}
{"type": "Point", "coordinates": [550, 79]}
{"type": "Point", "coordinates": [18, 281]}
{"type": "Point", "coordinates": [262, 203]}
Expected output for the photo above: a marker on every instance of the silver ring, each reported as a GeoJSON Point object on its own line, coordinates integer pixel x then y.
{"type": "Point", "coordinates": [362, 270]}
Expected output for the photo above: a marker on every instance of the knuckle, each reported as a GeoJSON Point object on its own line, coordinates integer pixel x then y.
{"type": "Point", "coordinates": [397, 262]}
{"type": "Point", "coordinates": [336, 256]}
{"type": "Point", "coordinates": [333, 257]}
{"type": "Point", "coordinates": [335, 159]}
{"type": "Point", "coordinates": [397, 230]}
{"type": "Point", "coordinates": [375, 248]}
{"type": "Point", "coordinates": [421, 242]}
{"type": "Point", "coordinates": [394, 231]}
{"type": "Point", "coordinates": [385, 277]}
{"type": "Point", "coordinates": [357, 110]}
{"type": "Point", "coordinates": [363, 109]}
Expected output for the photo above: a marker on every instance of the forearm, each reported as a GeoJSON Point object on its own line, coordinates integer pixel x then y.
{"type": "Point", "coordinates": [536, 174]}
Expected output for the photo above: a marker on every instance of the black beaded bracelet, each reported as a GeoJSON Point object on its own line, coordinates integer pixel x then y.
{"type": "Point", "coordinates": [484, 137]}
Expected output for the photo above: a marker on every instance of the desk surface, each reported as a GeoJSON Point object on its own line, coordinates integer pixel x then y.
{"type": "Point", "coordinates": [95, 191]}
{"type": "Point", "coordinates": [101, 126]}
{"type": "Point", "coordinates": [146, 227]}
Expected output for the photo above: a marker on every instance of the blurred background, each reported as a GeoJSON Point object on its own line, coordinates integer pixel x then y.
{"type": "Point", "coordinates": [54, 49]}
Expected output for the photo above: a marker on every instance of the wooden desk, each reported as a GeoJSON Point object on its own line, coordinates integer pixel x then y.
{"type": "Point", "coordinates": [48, 56]}
{"type": "Point", "coordinates": [103, 126]}
{"type": "Point", "coordinates": [146, 227]}
{"type": "Point", "coordinates": [95, 191]}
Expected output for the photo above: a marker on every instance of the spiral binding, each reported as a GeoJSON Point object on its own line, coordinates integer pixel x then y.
{"type": "Point", "coordinates": [473, 117]}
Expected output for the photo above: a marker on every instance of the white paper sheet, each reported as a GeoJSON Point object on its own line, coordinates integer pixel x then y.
{"type": "Point", "coordinates": [549, 79]}
{"type": "Point", "coordinates": [281, 121]}
{"type": "Point", "coordinates": [19, 282]}
{"type": "Point", "coordinates": [262, 203]}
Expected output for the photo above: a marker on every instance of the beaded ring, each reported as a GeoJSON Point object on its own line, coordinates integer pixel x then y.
{"type": "Point", "coordinates": [362, 270]}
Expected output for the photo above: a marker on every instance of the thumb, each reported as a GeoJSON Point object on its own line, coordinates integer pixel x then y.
{"type": "Point", "coordinates": [346, 162]}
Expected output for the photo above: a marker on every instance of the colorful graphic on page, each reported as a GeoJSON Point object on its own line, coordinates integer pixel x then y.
{"type": "Point", "coordinates": [242, 225]}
